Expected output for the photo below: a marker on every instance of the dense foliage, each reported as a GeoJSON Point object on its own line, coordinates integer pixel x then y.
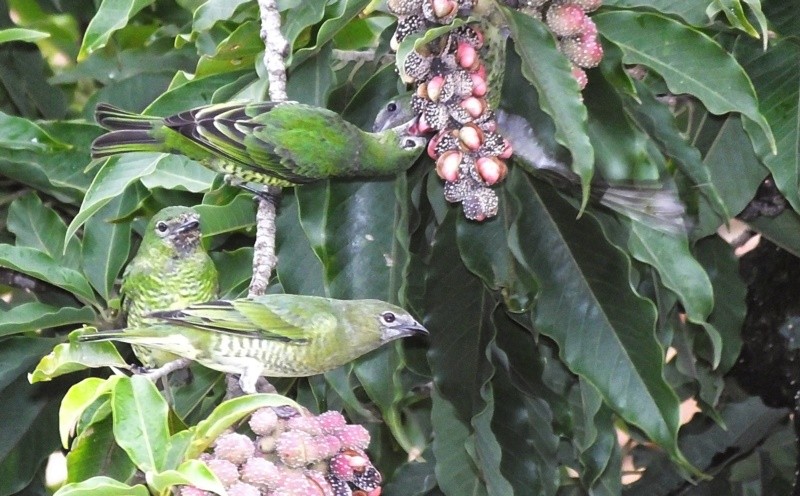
{"type": "Point", "coordinates": [550, 324]}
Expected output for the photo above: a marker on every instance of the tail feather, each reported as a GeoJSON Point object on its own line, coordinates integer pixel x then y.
{"type": "Point", "coordinates": [116, 142]}
{"type": "Point", "coordinates": [116, 119]}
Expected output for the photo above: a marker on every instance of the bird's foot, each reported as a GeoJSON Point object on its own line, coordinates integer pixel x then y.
{"type": "Point", "coordinates": [164, 370]}
{"type": "Point", "coordinates": [268, 193]}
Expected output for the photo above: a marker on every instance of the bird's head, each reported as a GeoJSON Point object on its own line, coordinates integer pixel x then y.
{"type": "Point", "coordinates": [175, 227]}
{"type": "Point", "coordinates": [394, 322]}
{"type": "Point", "coordinates": [396, 113]}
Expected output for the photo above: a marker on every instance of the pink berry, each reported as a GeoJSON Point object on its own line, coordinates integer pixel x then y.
{"type": "Point", "coordinates": [296, 448]}
{"type": "Point", "coordinates": [234, 447]}
{"type": "Point", "coordinates": [580, 76]}
{"type": "Point", "coordinates": [305, 424]}
{"type": "Point", "coordinates": [589, 5]}
{"type": "Point", "coordinates": [260, 472]}
{"type": "Point", "coordinates": [474, 106]}
{"type": "Point", "coordinates": [226, 472]}
{"type": "Point", "coordinates": [565, 19]}
{"type": "Point", "coordinates": [318, 482]}
{"type": "Point", "coordinates": [589, 28]}
{"type": "Point", "coordinates": [471, 136]}
{"type": "Point", "coordinates": [584, 51]}
{"type": "Point", "coordinates": [491, 169]}
{"type": "Point", "coordinates": [327, 445]}
{"type": "Point", "coordinates": [243, 489]}
{"type": "Point", "coordinates": [263, 421]}
{"type": "Point", "coordinates": [479, 87]}
{"type": "Point", "coordinates": [466, 55]}
{"type": "Point", "coordinates": [353, 435]}
{"type": "Point", "coordinates": [435, 87]}
{"type": "Point", "coordinates": [447, 166]}
{"type": "Point", "coordinates": [330, 421]}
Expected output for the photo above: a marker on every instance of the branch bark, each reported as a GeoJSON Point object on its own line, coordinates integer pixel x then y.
{"type": "Point", "coordinates": [275, 50]}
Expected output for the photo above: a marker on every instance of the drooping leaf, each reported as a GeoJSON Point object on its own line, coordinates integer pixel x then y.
{"type": "Point", "coordinates": [140, 422]}
{"type": "Point", "coordinates": [110, 17]}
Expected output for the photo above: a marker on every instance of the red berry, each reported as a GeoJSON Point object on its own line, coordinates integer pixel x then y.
{"type": "Point", "coordinates": [580, 76]}
{"type": "Point", "coordinates": [584, 51]}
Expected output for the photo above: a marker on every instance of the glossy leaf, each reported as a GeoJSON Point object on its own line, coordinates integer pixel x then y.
{"type": "Point", "coordinates": [39, 265]}
{"type": "Point", "coordinates": [140, 422]}
{"type": "Point", "coordinates": [548, 70]}
{"type": "Point", "coordinates": [607, 338]}
{"type": "Point", "coordinates": [35, 315]}
{"type": "Point", "coordinates": [77, 400]}
{"type": "Point", "coordinates": [726, 88]}
{"type": "Point", "coordinates": [110, 17]}
{"type": "Point", "coordinates": [98, 486]}
{"type": "Point", "coordinates": [21, 34]}
{"type": "Point", "coordinates": [72, 357]}
{"type": "Point", "coordinates": [192, 472]}
{"type": "Point", "coordinates": [37, 226]}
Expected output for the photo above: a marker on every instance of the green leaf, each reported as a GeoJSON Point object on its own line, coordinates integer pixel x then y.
{"type": "Point", "coordinates": [192, 472]}
{"type": "Point", "coordinates": [299, 270]}
{"type": "Point", "coordinates": [342, 13]}
{"type": "Point", "coordinates": [212, 11]}
{"type": "Point", "coordinates": [691, 11]}
{"type": "Point", "coordinates": [94, 451]}
{"type": "Point", "coordinates": [549, 72]}
{"type": "Point", "coordinates": [235, 270]}
{"type": "Point", "coordinates": [21, 134]}
{"type": "Point", "coordinates": [140, 422]}
{"type": "Point", "coordinates": [79, 397]}
{"type": "Point", "coordinates": [111, 181]}
{"type": "Point", "coordinates": [74, 356]}
{"type": "Point", "coordinates": [314, 79]}
{"type": "Point", "coordinates": [779, 103]}
{"type": "Point", "coordinates": [107, 243]}
{"type": "Point", "coordinates": [21, 34]}
{"type": "Point", "coordinates": [734, 12]}
{"type": "Point", "coordinates": [39, 265]}
{"type": "Point", "coordinates": [605, 331]}
{"type": "Point", "coordinates": [112, 16]}
{"type": "Point", "coordinates": [456, 471]}
{"type": "Point", "coordinates": [34, 316]}
{"type": "Point", "coordinates": [227, 414]}
{"type": "Point", "coordinates": [181, 173]}
{"type": "Point", "coordinates": [40, 227]}
{"type": "Point", "coordinates": [102, 486]}
{"type": "Point", "coordinates": [19, 353]}
{"type": "Point", "coordinates": [688, 60]}
{"type": "Point", "coordinates": [239, 49]}
{"type": "Point", "coordinates": [239, 213]}
{"type": "Point", "coordinates": [32, 411]}
{"type": "Point", "coordinates": [350, 225]}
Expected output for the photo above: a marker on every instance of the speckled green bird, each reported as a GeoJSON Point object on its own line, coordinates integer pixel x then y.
{"type": "Point", "coordinates": [283, 144]}
{"type": "Point", "coordinates": [171, 270]}
{"type": "Point", "coordinates": [273, 335]}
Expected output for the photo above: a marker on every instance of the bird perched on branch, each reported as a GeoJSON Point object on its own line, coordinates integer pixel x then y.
{"type": "Point", "coordinates": [275, 335]}
{"type": "Point", "coordinates": [653, 204]}
{"type": "Point", "coordinates": [275, 143]}
{"type": "Point", "coordinates": [171, 270]}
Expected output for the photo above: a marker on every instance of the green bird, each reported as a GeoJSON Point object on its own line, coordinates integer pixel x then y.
{"type": "Point", "coordinates": [275, 335]}
{"type": "Point", "coordinates": [276, 143]}
{"type": "Point", "coordinates": [170, 271]}
{"type": "Point", "coordinates": [654, 204]}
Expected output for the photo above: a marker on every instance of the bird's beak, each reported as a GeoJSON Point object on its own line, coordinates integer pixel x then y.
{"type": "Point", "coordinates": [189, 225]}
{"type": "Point", "coordinates": [415, 329]}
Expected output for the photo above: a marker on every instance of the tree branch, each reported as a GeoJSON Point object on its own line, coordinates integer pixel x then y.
{"type": "Point", "coordinates": [275, 50]}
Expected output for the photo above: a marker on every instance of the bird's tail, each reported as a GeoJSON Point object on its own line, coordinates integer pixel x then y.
{"type": "Point", "coordinates": [155, 336]}
{"type": "Point", "coordinates": [656, 206]}
{"type": "Point", "coordinates": [129, 132]}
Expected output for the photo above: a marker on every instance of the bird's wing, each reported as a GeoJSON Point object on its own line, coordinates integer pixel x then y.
{"type": "Point", "coordinates": [293, 323]}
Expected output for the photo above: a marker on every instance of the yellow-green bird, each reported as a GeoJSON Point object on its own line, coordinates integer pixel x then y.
{"type": "Point", "coordinates": [170, 271]}
{"type": "Point", "coordinates": [275, 335]}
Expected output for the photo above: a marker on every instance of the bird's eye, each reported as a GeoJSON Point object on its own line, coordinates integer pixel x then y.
{"type": "Point", "coordinates": [391, 107]}
{"type": "Point", "coordinates": [162, 227]}
{"type": "Point", "coordinates": [409, 143]}
{"type": "Point", "coordinates": [388, 317]}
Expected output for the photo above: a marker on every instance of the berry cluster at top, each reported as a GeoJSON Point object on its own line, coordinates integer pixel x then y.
{"type": "Point", "coordinates": [575, 31]}
{"type": "Point", "coordinates": [450, 98]}
{"type": "Point", "coordinates": [452, 88]}
{"type": "Point", "coordinates": [293, 455]}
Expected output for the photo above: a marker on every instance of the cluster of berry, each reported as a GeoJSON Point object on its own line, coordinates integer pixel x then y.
{"type": "Point", "coordinates": [293, 455]}
{"type": "Point", "coordinates": [451, 88]}
{"type": "Point", "coordinates": [576, 32]}
{"type": "Point", "coordinates": [450, 98]}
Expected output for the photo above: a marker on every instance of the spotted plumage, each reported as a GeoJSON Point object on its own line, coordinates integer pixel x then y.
{"type": "Point", "coordinates": [273, 335]}
{"type": "Point", "coordinates": [171, 270]}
